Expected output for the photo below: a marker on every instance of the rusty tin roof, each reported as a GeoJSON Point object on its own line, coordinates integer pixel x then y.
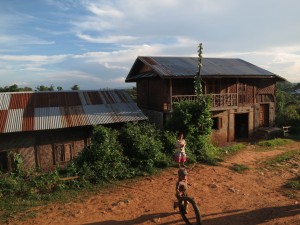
{"type": "Point", "coordinates": [175, 67]}
{"type": "Point", "coordinates": [28, 111]}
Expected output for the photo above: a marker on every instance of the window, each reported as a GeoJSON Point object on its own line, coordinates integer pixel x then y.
{"type": "Point", "coordinates": [62, 153]}
{"type": "Point", "coordinates": [266, 98]}
{"type": "Point", "coordinates": [217, 123]}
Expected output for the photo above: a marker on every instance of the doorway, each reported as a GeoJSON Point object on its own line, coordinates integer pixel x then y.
{"type": "Point", "coordinates": [241, 125]}
{"type": "Point", "coordinates": [264, 115]}
{"type": "Point", "coordinates": [3, 162]}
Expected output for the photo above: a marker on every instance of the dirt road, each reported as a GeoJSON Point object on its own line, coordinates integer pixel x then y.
{"type": "Point", "coordinates": [224, 197]}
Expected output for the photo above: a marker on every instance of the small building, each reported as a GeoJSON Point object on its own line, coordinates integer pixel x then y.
{"type": "Point", "coordinates": [243, 95]}
{"type": "Point", "coordinates": [49, 128]}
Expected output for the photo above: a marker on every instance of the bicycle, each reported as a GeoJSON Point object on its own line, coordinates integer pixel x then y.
{"type": "Point", "coordinates": [190, 217]}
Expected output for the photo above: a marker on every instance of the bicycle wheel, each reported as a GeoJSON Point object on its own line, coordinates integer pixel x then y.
{"type": "Point", "coordinates": [189, 211]}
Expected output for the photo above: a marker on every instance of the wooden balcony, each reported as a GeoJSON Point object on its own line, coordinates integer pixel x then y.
{"type": "Point", "coordinates": [218, 100]}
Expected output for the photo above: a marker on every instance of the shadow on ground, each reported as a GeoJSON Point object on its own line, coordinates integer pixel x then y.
{"type": "Point", "coordinates": [235, 217]}
{"type": "Point", "coordinates": [140, 220]}
{"type": "Point", "coordinates": [254, 217]}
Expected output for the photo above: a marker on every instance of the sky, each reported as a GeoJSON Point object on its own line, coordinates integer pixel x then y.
{"type": "Point", "coordinates": [94, 43]}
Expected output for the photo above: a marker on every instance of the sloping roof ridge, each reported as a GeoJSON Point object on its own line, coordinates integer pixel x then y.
{"type": "Point", "coordinates": [189, 57]}
{"type": "Point", "coordinates": [64, 91]}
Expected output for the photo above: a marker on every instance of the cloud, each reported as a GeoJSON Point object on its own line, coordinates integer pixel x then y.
{"type": "Point", "coordinates": [13, 40]}
{"type": "Point", "coordinates": [34, 58]}
{"type": "Point", "coordinates": [107, 39]}
{"type": "Point", "coordinates": [64, 5]}
{"type": "Point", "coordinates": [84, 80]}
{"type": "Point", "coordinates": [104, 11]}
{"type": "Point", "coordinates": [72, 74]}
{"type": "Point", "coordinates": [29, 62]}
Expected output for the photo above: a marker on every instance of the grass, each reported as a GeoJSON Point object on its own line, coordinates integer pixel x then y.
{"type": "Point", "coordinates": [289, 194]}
{"type": "Point", "coordinates": [294, 184]}
{"type": "Point", "coordinates": [286, 158]}
{"type": "Point", "coordinates": [293, 187]}
{"type": "Point", "coordinates": [274, 142]}
{"type": "Point", "coordinates": [230, 150]}
{"type": "Point", "coordinates": [240, 168]}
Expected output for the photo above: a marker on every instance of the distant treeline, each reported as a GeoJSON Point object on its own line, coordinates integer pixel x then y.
{"type": "Point", "coordinates": [15, 88]}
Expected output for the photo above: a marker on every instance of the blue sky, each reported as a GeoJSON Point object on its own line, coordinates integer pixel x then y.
{"type": "Point", "coordinates": [94, 43]}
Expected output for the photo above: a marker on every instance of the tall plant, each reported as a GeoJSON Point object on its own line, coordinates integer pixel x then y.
{"type": "Point", "coordinates": [194, 119]}
{"type": "Point", "coordinates": [198, 81]}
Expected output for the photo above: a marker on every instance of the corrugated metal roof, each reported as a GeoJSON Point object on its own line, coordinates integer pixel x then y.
{"type": "Point", "coordinates": [28, 111]}
{"type": "Point", "coordinates": [187, 66]}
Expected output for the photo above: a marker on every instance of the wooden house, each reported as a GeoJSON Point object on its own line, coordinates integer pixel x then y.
{"type": "Point", "coordinates": [49, 128]}
{"type": "Point", "coordinates": [243, 95]}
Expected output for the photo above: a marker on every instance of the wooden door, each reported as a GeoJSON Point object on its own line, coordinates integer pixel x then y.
{"type": "Point", "coordinates": [264, 115]}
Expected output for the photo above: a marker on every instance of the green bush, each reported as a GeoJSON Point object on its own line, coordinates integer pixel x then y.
{"type": "Point", "coordinates": [44, 183]}
{"type": "Point", "coordinates": [168, 139]}
{"type": "Point", "coordinates": [103, 159]}
{"type": "Point", "coordinates": [21, 185]}
{"type": "Point", "coordinates": [142, 145]}
{"type": "Point", "coordinates": [193, 118]}
{"type": "Point", "coordinates": [188, 115]}
{"type": "Point", "coordinates": [200, 148]}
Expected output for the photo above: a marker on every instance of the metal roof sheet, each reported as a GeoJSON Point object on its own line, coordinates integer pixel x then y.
{"type": "Point", "coordinates": [28, 111]}
{"type": "Point", "coordinates": [187, 66]}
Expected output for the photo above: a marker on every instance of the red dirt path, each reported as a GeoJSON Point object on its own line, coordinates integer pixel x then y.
{"type": "Point", "coordinates": [224, 197]}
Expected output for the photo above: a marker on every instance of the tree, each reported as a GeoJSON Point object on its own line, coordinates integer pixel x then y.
{"type": "Point", "coordinates": [75, 87]}
{"type": "Point", "coordinates": [26, 89]}
{"type": "Point", "coordinates": [41, 88]}
{"type": "Point", "coordinates": [59, 88]}
{"type": "Point", "coordinates": [51, 88]}
{"type": "Point", "coordinates": [14, 88]}
{"type": "Point", "coordinates": [44, 88]}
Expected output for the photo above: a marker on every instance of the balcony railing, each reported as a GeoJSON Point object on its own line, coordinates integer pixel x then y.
{"type": "Point", "coordinates": [218, 100]}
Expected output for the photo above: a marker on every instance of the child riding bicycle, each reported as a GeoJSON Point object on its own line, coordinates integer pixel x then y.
{"type": "Point", "coordinates": [181, 186]}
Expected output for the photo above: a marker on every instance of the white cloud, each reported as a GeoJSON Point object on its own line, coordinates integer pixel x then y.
{"type": "Point", "coordinates": [34, 58]}
{"type": "Point", "coordinates": [63, 5]}
{"type": "Point", "coordinates": [107, 39]}
{"type": "Point", "coordinates": [72, 75]}
{"type": "Point", "coordinates": [19, 40]}
{"type": "Point", "coordinates": [105, 11]}
{"type": "Point", "coordinates": [29, 62]}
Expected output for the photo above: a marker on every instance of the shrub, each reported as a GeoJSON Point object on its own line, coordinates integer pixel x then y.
{"type": "Point", "coordinates": [142, 145]}
{"type": "Point", "coordinates": [194, 119]}
{"type": "Point", "coordinates": [200, 148]}
{"type": "Point", "coordinates": [103, 159]}
{"type": "Point", "coordinates": [188, 115]}
{"type": "Point", "coordinates": [168, 139]}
